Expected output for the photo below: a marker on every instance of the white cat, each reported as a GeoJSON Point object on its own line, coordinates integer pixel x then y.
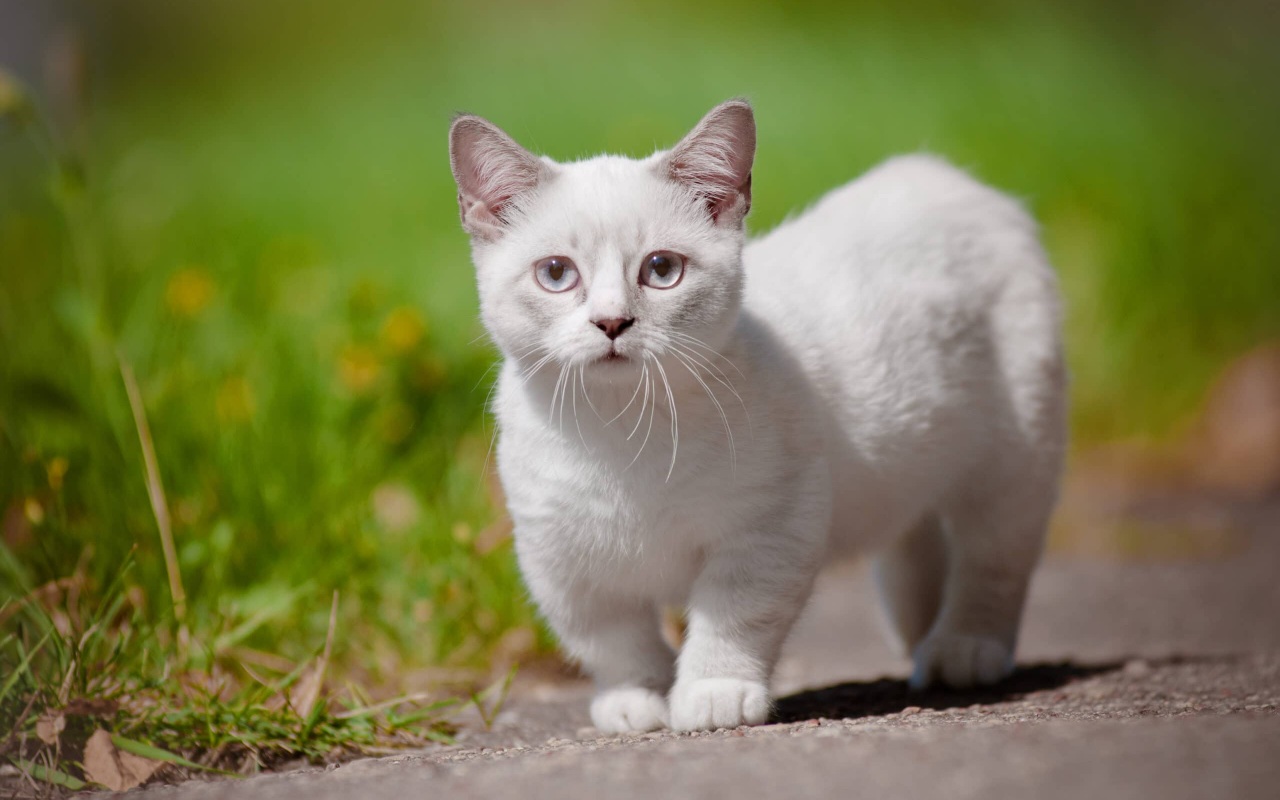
{"type": "Point", "coordinates": [687, 422]}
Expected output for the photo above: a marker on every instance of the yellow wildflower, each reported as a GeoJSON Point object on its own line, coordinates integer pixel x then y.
{"type": "Point", "coordinates": [33, 510]}
{"type": "Point", "coordinates": [55, 470]}
{"type": "Point", "coordinates": [359, 368]}
{"type": "Point", "coordinates": [403, 329]}
{"type": "Point", "coordinates": [189, 292]}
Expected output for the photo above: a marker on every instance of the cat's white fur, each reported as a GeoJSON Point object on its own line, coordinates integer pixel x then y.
{"type": "Point", "coordinates": [882, 373]}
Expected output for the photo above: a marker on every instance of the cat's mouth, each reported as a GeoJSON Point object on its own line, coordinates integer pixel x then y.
{"type": "Point", "coordinates": [613, 357]}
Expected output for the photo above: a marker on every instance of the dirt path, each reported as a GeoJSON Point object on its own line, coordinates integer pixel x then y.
{"type": "Point", "coordinates": [1140, 679]}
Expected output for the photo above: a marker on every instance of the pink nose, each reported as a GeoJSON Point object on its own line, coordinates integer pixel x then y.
{"type": "Point", "coordinates": [613, 328]}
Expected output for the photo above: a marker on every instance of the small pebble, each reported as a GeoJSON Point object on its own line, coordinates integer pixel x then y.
{"type": "Point", "coordinates": [910, 711]}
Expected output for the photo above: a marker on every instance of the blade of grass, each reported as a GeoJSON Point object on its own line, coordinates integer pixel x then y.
{"type": "Point", "coordinates": [367, 711]}
{"type": "Point", "coordinates": [312, 691]}
{"type": "Point", "coordinates": [439, 736]}
{"type": "Point", "coordinates": [155, 490]}
{"type": "Point", "coordinates": [488, 715]}
{"type": "Point", "coordinates": [157, 754]}
{"type": "Point", "coordinates": [22, 667]}
{"type": "Point", "coordinates": [49, 775]}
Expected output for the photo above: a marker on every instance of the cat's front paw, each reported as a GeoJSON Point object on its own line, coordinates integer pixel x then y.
{"type": "Point", "coordinates": [629, 709]}
{"type": "Point", "coordinates": [711, 703]}
{"type": "Point", "coordinates": [960, 661]}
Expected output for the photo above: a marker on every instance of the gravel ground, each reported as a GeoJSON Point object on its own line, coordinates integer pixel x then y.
{"type": "Point", "coordinates": [1139, 679]}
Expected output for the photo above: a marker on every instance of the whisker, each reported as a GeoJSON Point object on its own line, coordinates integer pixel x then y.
{"type": "Point", "coordinates": [694, 340]}
{"type": "Point", "coordinates": [719, 377]}
{"type": "Point", "coordinates": [632, 400]}
{"type": "Point", "coordinates": [562, 398]}
{"type": "Point", "coordinates": [551, 412]}
{"type": "Point", "coordinates": [520, 354]}
{"type": "Point", "coordinates": [578, 380]}
{"type": "Point", "coordinates": [675, 419]}
{"type": "Point", "coordinates": [493, 439]}
{"type": "Point", "coordinates": [488, 401]}
{"type": "Point", "coordinates": [715, 372]}
{"type": "Point", "coordinates": [644, 377]}
{"type": "Point", "coordinates": [652, 408]}
{"type": "Point", "coordinates": [484, 375]}
{"type": "Point", "coordinates": [525, 376]}
{"type": "Point", "coordinates": [733, 453]}
{"type": "Point", "coordinates": [587, 395]}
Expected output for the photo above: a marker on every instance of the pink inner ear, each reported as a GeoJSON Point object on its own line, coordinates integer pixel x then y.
{"type": "Point", "coordinates": [490, 168]}
{"type": "Point", "coordinates": [715, 159]}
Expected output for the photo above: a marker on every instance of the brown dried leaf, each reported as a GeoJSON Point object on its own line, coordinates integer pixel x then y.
{"type": "Point", "coordinates": [310, 686]}
{"type": "Point", "coordinates": [83, 707]}
{"type": "Point", "coordinates": [113, 768]}
{"type": "Point", "coordinates": [49, 726]}
{"type": "Point", "coordinates": [304, 693]}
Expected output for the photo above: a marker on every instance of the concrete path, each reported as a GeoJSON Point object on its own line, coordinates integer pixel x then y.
{"type": "Point", "coordinates": [1140, 679]}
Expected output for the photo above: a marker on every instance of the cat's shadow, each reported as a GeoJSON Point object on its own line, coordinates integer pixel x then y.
{"type": "Point", "coordinates": [888, 696]}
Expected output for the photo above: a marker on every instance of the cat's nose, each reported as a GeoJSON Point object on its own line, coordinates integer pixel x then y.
{"type": "Point", "coordinates": [613, 327]}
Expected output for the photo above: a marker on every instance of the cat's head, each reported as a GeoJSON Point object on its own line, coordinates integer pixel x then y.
{"type": "Point", "coordinates": [606, 262]}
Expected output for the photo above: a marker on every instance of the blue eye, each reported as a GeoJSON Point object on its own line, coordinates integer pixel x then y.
{"type": "Point", "coordinates": [662, 270]}
{"type": "Point", "coordinates": [556, 274]}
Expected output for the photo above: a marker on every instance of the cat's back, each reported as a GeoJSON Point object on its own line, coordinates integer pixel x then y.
{"type": "Point", "coordinates": [913, 221]}
{"type": "Point", "coordinates": [908, 256]}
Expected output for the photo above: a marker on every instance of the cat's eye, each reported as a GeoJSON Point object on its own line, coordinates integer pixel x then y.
{"type": "Point", "coordinates": [556, 274]}
{"type": "Point", "coordinates": [662, 270]}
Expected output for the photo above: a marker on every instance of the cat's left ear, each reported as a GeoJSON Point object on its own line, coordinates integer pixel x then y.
{"type": "Point", "coordinates": [715, 160]}
{"type": "Point", "coordinates": [491, 171]}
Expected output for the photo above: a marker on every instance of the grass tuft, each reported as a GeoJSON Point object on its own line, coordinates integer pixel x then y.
{"type": "Point", "coordinates": [76, 670]}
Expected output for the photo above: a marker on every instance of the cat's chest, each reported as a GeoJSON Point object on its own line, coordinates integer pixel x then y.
{"type": "Point", "coordinates": [609, 521]}
{"type": "Point", "coordinates": [588, 496]}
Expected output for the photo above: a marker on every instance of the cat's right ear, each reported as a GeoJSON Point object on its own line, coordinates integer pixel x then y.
{"type": "Point", "coordinates": [491, 171]}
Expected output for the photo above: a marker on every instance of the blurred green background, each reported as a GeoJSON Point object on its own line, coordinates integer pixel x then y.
{"type": "Point", "coordinates": [255, 212]}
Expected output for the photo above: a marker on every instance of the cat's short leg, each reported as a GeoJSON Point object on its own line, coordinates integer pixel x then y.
{"type": "Point", "coordinates": [619, 643]}
{"type": "Point", "coordinates": [994, 540]}
{"type": "Point", "coordinates": [909, 576]}
{"type": "Point", "coordinates": [741, 608]}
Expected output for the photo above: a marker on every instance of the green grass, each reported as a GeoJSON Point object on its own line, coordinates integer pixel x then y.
{"type": "Point", "coordinates": [75, 666]}
{"type": "Point", "coordinates": [253, 213]}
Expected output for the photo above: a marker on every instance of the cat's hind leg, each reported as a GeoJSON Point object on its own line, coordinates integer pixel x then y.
{"type": "Point", "coordinates": [909, 576]}
{"type": "Point", "coordinates": [993, 536]}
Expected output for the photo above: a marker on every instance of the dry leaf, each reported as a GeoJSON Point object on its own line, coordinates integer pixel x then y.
{"type": "Point", "coordinates": [80, 707]}
{"type": "Point", "coordinates": [304, 694]}
{"type": "Point", "coordinates": [307, 692]}
{"type": "Point", "coordinates": [113, 768]}
{"type": "Point", "coordinates": [49, 726]}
